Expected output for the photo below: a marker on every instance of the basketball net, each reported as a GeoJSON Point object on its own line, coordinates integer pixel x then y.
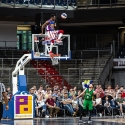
{"type": "Point", "coordinates": [55, 61]}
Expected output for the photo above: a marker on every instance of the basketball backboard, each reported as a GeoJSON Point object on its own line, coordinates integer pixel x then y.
{"type": "Point", "coordinates": [39, 47]}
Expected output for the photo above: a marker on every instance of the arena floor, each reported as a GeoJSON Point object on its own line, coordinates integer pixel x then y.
{"type": "Point", "coordinates": [65, 121]}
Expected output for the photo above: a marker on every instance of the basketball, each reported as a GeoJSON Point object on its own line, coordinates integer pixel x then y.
{"type": "Point", "coordinates": [63, 15]}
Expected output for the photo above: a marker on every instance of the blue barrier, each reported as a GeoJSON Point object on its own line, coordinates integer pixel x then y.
{"type": "Point", "coordinates": [21, 105]}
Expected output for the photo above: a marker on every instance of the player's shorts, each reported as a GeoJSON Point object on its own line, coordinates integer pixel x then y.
{"type": "Point", "coordinates": [88, 104]}
{"type": "Point", "coordinates": [51, 35]}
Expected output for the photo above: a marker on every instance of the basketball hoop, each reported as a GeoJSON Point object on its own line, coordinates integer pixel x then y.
{"type": "Point", "coordinates": [55, 61]}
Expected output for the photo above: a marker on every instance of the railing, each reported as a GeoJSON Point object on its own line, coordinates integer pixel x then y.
{"type": "Point", "coordinates": [39, 3]}
{"type": "Point", "coordinates": [76, 54]}
{"type": "Point", "coordinates": [106, 71]}
{"type": "Point", "coordinates": [34, 78]}
{"type": "Point", "coordinates": [100, 3]}
{"type": "Point", "coordinates": [81, 54]}
{"type": "Point", "coordinates": [74, 75]}
{"type": "Point", "coordinates": [80, 75]}
{"type": "Point", "coordinates": [65, 4]}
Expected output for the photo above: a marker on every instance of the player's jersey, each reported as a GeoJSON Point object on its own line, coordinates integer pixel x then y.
{"type": "Point", "coordinates": [50, 26]}
{"type": "Point", "coordinates": [88, 94]}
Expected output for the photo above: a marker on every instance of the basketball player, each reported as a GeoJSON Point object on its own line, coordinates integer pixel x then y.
{"type": "Point", "coordinates": [3, 96]}
{"type": "Point", "coordinates": [88, 102]}
{"type": "Point", "coordinates": [51, 32]}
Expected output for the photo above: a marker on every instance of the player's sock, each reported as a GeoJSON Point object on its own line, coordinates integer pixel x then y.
{"type": "Point", "coordinates": [60, 35]}
{"type": "Point", "coordinates": [90, 113]}
{"type": "Point", "coordinates": [50, 52]}
{"type": "Point", "coordinates": [89, 118]}
{"type": "Point", "coordinates": [61, 32]}
{"type": "Point", "coordinates": [80, 117]}
{"type": "Point", "coordinates": [51, 46]}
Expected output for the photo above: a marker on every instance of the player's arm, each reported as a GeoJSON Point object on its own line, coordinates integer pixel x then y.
{"type": "Point", "coordinates": [81, 93]}
{"type": "Point", "coordinates": [44, 25]}
{"type": "Point", "coordinates": [55, 25]}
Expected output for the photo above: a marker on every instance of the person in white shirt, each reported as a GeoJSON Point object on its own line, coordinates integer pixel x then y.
{"type": "Point", "coordinates": [75, 103]}
{"type": "Point", "coordinates": [41, 105]}
{"type": "Point", "coordinates": [98, 104]}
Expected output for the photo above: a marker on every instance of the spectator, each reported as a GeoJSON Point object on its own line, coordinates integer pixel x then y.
{"type": "Point", "coordinates": [55, 93]}
{"type": "Point", "coordinates": [9, 93]}
{"type": "Point", "coordinates": [53, 109]}
{"type": "Point", "coordinates": [65, 89]}
{"type": "Point", "coordinates": [75, 103]}
{"type": "Point", "coordinates": [59, 98]}
{"type": "Point", "coordinates": [3, 96]}
{"type": "Point", "coordinates": [56, 86]}
{"type": "Point", "coordinates": [71, 93]}
{"type": "Point", "coordinates": [116, 88]}
{"type": "Point", "coordinates": [41, 105]}
{"type": "Point", "coordinates": [120, 102]}
{"type": "Point", "coordinates": [122, 91]}
{"type": "Point", "coordinates": [110, 91]}
{"type": "Point", "coordinates": [107, 105]}
{"type": "Point", "coordinates": [48, 92]}
{"type": "Point", "coordinates": [35, 90]}
{"type": "Point", "coordinates": [98, 104]}
{"type": "Point", "coordinates": [97, 89]}
{"type": "Point", "coordinates": [32, 93]}
{"type": "Point", "coordinates": [100, 91]}
{"type": "Point", "coordinates": [67, 104]}
{"type": "Point", "coordinates": [41, 89]}
{"type": "Point", "coordinates": [75, 90]}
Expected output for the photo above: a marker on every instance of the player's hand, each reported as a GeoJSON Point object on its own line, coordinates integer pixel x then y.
{"type": "Point", "coordinates": [7, 107]}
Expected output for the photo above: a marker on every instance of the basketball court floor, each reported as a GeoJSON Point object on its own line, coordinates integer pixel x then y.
{"type": "Point", "coordinates": [65, 121]}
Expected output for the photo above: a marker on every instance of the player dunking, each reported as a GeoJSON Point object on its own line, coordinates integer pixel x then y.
{"type": "Point", "coordinates": [88, 102]}
{"type": "Point", "coordinates": [52, 34]}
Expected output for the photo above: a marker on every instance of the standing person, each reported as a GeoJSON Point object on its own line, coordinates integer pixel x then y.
{"type": "Point", "coordinates": [88, 100]}
{"type": "Point", "coordinates": [51, 33]}
{"type": "Point", "coordinates": [3, 96]}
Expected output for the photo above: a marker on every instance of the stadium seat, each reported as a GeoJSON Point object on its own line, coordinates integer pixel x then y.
{"type": "Point", "coordinates": [20, 1]}
{"type": "Point", "coordinates": [63, 2]}
{"type": "Point", "coordinates": [48, 2]}
{"type": "Point", "coordinates": [73, 2]}
{"type": "Point", "coordinates": [57, 2]}
{"type": "Point", "coordinates": [37, 2]}
{"type": "Point", "coordinates": [9, 1]}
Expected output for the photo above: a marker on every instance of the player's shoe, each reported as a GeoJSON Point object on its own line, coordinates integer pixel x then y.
{"type": "Point", "coordinates": [89, 118]}
{"type": "Point", "coordinates": [89, 121]}
{"type": "Point", "coordinates": [80, 119]}
{"type": "Point", "coordinates": [58, 41]}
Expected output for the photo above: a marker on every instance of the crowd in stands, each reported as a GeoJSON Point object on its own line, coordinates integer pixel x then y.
{"type": "Point", "coordinates": [56, 102]}
{"type": "Point", "coordinates": [44, 2]}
